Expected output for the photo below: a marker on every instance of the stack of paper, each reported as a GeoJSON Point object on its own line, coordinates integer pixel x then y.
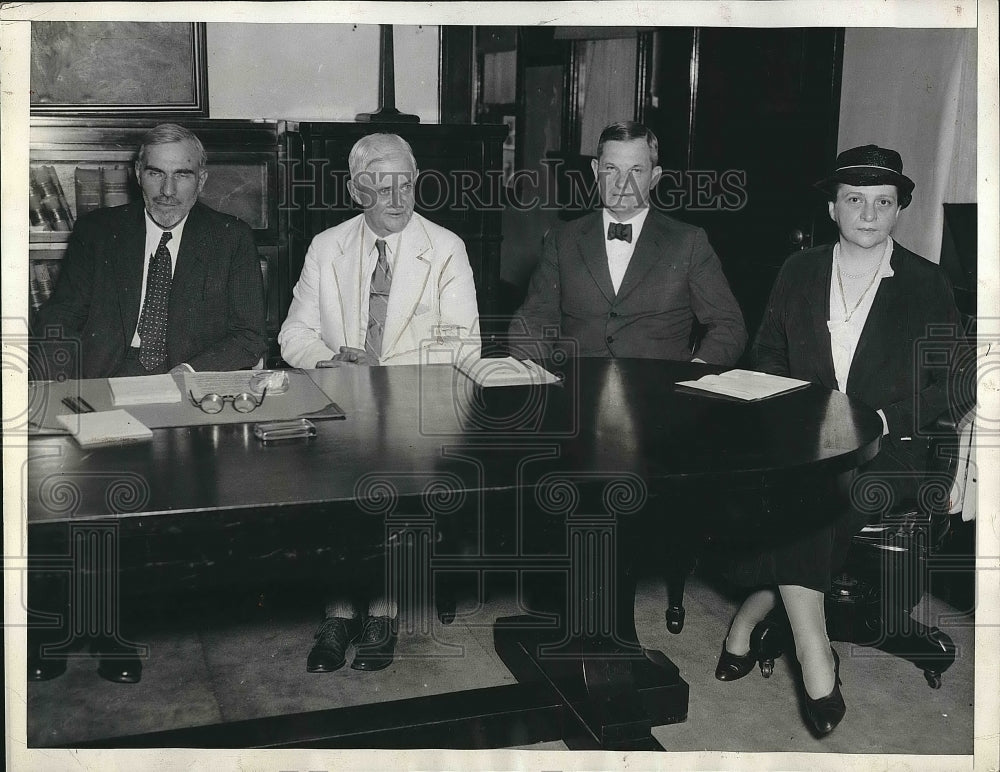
{"type": "Point", "coordinates": [221, 382]}
{"type": "Point", "coordinates": [144, 390]}
{"type": "Point", "coordinates": [506, 371]}
{"type": "Point", "coordinates": [107, 427]}
{"type": "Point", "coordinates": [745, 384]}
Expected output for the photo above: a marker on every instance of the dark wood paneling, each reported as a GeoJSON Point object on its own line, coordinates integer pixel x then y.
{"type": "Point", "coordinates": [761, 105]}
{"type": "Point", "coordinates": [456, 73]}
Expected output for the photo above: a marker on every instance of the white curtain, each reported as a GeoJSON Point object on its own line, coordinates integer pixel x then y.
{"type": "Point", "coordinates": [914, 90]}
{"type": "Point", "coordinates": [607, 86]}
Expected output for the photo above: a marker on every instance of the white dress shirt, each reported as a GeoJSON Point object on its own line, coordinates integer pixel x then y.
{"type": "Point", "coordinates": [153, 234]}
{"type": "Point", "coordinates": [845, 328]}
{"type": "Point", "coordinates": [620, 252]}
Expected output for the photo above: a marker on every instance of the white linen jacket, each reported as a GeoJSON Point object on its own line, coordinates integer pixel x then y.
{"type": "Point", "coordinates": [432, 316]}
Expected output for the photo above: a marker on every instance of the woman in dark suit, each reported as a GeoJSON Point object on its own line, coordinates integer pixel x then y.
{"type": "Point", "coordinates": [848, 316]}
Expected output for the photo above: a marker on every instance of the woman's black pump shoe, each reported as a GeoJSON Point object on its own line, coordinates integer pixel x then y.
{"type": "Point", "coordinates": [826, 712]}
{"type": "Point", "coordinates": [732, 666]}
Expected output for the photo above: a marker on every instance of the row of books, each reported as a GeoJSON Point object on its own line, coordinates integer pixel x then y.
{"type": "Point", "coordinates": [48, 209]}
{"type": "Point", "coordinates": [42, 277]}
{"type": "Point", "coordinates": [95, 186]}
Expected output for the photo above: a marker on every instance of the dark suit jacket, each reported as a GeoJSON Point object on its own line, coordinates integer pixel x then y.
{"type": "Point", "coordinates": [673, 277]}
{"type": "Point", "coordinates": [216, 312]}
{"type": "Point", "coordinates": [910, 316]}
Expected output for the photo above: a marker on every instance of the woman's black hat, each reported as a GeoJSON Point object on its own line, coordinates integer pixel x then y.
{"type": "Point", "coordinates": [869, 165]}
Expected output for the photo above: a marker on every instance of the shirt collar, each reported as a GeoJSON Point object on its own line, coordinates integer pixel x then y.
{"type": "Point", "coordinates": [177, 231]}
{"type": "Point", "coordinates": [885, 265]}
{"type": "Point", "coordinates": [885, 269]}
{"type": "Point", "coordinates": [636, 221]}
{"type": "Point", "coordinates": [369, 237]}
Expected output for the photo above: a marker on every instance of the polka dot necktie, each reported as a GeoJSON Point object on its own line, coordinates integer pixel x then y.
{"type": "Point", "coordinates": [153, 320]}
{"type": "Point", "coordinates": [378, 302]}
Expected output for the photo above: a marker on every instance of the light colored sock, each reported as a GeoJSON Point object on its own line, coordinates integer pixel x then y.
{"type": "Point", "coordinates": [754, 609]}
{"type": "Point", "coordinates": [341, 608]}
{"type": "Point", "coordinates": [382, 607]}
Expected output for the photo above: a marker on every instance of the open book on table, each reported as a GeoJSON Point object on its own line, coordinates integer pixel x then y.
{"type": "Point", "coordinates": [506, 371]}
{"type": "Point", "coordinates": [746, 385]}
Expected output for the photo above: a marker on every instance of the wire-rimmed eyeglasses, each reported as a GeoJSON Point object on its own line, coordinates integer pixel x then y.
{"type": "Point", "coordinates": [244, 402]}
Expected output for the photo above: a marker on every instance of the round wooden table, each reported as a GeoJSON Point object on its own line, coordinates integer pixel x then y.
{"type": "Point", "coordinates": [570, 480]}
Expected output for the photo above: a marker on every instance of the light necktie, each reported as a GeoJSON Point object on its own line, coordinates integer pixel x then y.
{"type": "Point", "coordinates": [378, 302]}
{"type": "Point", "coordinates": [620, 230]}
{"type": "Point", "coordinates": [153, 320]}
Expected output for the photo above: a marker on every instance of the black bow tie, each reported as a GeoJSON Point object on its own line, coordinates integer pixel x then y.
{"type": "Point", "coordinates": [620, 230]}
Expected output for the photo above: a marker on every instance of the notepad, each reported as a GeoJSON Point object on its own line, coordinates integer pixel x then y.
{"type": "Point", "coordinates": [144, 390]}
{"type": "Point", "coordinates": [506, 371]}
{"type": "Point", "coordinates": [106, 427]}
{"type": "Point", "coordinates": [747, 385]}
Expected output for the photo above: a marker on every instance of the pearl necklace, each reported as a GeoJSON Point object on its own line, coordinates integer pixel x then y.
{"type": "Point", "coordinates": [863, 272]}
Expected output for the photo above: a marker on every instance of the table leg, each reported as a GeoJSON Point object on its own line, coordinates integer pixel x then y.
{"type": "Point", "coordinates": [615, 690]}
{"type": "Point", "coordinates": [74, 590]}
{"type": "Point", "coordinates": [49, 639]}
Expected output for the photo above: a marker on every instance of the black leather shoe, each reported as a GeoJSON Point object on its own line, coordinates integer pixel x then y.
{"type": "Point", "coordinates": [376, 645]}
{"type": "Point", "coordinates": [44, 668]}
{"type": "Point", "coordinates": [117, 663]}
{"type": "Point", "coordinates": [732, 667]}
{"type": "Point", "coordinates": [332, 639]}
{"type": "Point", "coordinates": [826, 712]}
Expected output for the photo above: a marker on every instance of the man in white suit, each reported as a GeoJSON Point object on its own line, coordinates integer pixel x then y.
{"type": "Point", "coordinates": [387, 287]}
{"type": "Point", "coordinates": [431, 295]}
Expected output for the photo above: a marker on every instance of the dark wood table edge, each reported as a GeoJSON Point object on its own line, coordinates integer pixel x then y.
{"type": "Point", "coordinates": [475, 719]}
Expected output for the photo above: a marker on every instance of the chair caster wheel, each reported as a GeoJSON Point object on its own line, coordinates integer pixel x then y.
{"type": "Point", "coordinates": [446, 617]}
{"type": "Point", "coordinates": [933, 679]}
{"type": "Point", "coordinates": [675, 619]}
{"type": "Point", "coordinates": [446, 611]}
{"type": "Point", "coordinates": [766, 667]}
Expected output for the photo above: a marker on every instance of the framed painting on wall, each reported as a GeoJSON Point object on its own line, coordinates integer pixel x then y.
{"type": "Point", "coordinates": [118, 68]}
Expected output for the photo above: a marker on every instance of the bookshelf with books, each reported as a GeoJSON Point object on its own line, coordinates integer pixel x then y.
{"type": "Point", "coordinates": [77, 165]}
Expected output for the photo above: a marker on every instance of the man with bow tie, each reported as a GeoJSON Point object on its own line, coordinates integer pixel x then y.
{"type": "Point", "coordinates": [628, 282]}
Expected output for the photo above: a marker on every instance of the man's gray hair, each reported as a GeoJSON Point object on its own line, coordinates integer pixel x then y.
{"type": "Point", "coordinates": [374, 147]}
{"type": "Point", "coordinates": [165, 134]}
